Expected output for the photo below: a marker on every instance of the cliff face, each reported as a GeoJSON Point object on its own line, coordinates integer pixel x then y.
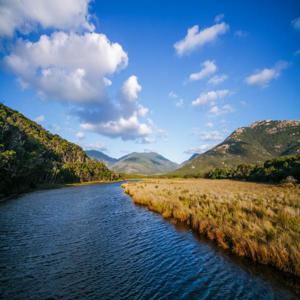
{"type": "Point", "coordinates": [30, 156]}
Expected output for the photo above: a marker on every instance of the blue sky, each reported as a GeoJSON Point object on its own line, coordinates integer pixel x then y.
{"type": "Point", "coordinates": [125, 76]}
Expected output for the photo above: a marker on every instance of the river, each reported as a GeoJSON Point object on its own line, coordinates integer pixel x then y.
{"type": "Point", "coordinates": [92, 242]}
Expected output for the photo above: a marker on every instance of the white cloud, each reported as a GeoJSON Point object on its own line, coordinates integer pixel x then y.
{"type": "Point", "coordinates": [196, 39]}
{"type": "Point", "coordinates": [217, 79]}
{"type": "Point", "coordinates": [73, 68]}
{"type": "Point", "coordinates": [131, 88]}
{"type": "Point", "coordinates": [74, 65]}
{"type": "Point", "coordinates": [209, 124]}
{"type": "Point", "coordinates": [80, 135]}
{"type": "Point", "coordinates": [199, 150]}
{"type": "Point", "coordinates": [26, 15]}
{"type": "Point", "coordinates": [179, 103]}
{"type": "Point", "coordinates": [40, 119]}
{"type": "Point", "coordinates": [219, 18]}
{"type": "Point", "coordinates": [68, 67]}
{"type": "Point", "coordinates": [123, 119]}
{"type": "Point", "coordinates": [208, 68]}
{"type": "Point", "coordinates": [127, 129]}
{"type": "Point", "coordinates": [210, 96]}
{"type": "Point", "coordinates": [296, 23]}
{"type": "Point", "coordinates": [214, 135]}
{"type": "Point", "coordinates": [216, 110]}
{"type": "Point", "coordinates": [265, 76]}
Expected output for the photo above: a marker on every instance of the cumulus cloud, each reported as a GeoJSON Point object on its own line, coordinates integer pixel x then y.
{"type": "Point", "coordinates": [208, 68]}
{"type": "Point", "coordinates": [121, 119]}
{"type": "Point", "coordinates": [196, 39]}
{"type": "Point", "coordinates": [126, 128]}
{"type": "Point", "coordinates": [210, 96]}
{"type": "Point", "coordinates": [217, 79]}
{"type": "Point", "coordinates": [26, 15]}
{"type": "Point", "coordinates": [74, 68]}
{"type": "Point", "coordinates": [40, 119]}
{"type": "Point", "coordinates": [265, 76]}
{"type": "Point", "coordinates": [201, 149]}
{"type": "Point", "coordinates": [68, 67]}
{"type": "Point", "coordinates": [296, 23]}
{"type": "Point", "coordinates": [131, 88]}
{"type": "Point", "coordinates": [216, 110]}
{"type": "Point", "coordinates": [74, 65]}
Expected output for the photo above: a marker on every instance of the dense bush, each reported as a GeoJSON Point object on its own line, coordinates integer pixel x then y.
{"type": "Point", "coordinates": [275, 170]}
{"type": "Point", "coordinates": [31, 156]}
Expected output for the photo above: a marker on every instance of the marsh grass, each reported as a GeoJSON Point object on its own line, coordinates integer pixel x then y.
{"type": "Point", "coordinates": [258, 221]}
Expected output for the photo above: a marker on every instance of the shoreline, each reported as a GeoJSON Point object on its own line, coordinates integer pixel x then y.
{"type": "Point", "coordinates": [155, 198]}
{"type": "Point", "coordinates": [56, 186]}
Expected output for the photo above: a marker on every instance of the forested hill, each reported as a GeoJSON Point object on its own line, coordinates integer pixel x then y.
{"type": "Point", "coordinates": [31, 156]}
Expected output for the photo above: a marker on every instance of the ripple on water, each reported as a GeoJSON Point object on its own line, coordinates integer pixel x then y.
{"type": "Point", "coordinates": [92, 242]}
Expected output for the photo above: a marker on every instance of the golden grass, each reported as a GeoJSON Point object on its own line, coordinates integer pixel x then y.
{"type": "Point", "coordinates": [258, 221]}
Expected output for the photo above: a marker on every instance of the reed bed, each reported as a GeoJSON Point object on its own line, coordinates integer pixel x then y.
{"type": "Point", "coordinates": [258, 221]}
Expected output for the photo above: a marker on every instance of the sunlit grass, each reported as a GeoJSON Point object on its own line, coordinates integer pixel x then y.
{"type": "Point", "coordinates": [258, 221]}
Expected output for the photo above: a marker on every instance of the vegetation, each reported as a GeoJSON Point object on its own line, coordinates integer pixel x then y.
{"type": "Point", "coordinates": [31, 156]}
{"type": "Point", "coordinates": [285, 168]}
{"type": "Point", "coordinates": [258, 221]}
{"type": "Point", "coordinates": [261, 141]}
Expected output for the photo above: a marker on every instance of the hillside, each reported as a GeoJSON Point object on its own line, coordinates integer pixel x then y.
{"type": "Point", "coordinates": [31, 156]}
{"type": "Point", "coordinates": [257, 143]}
{"type": "Point", "coordinates": [147, 163]}
{"type": "Point", "coordinates": [100, 156]}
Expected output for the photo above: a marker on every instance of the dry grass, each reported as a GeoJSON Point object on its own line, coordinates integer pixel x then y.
{"type": "Point", "coordinates": [258, 221]}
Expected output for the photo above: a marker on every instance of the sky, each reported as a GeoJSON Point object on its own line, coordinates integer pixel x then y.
{"type": "Point", "coordinates": [174, 77]}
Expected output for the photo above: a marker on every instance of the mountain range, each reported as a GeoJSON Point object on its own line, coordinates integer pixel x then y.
{"type": "Point", "coordinates": [30, 155]}
{"type": "Point", "coordinates": [257, 143]}
{"type": "Point", "coordinates": [147, 163]}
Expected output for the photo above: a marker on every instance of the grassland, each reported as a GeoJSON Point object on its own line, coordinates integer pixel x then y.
{"type": "Point", "coordinates": [258, 221]}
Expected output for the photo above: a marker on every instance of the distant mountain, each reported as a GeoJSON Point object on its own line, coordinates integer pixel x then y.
{"type": "Point", "coordinates": [31, 156]}
{"type": "Point", "coordinates": [147, 163]}
{"type": "Point", "coordinates": [257, 143]}
{"type": "Point", "coordinates": [100, 156]}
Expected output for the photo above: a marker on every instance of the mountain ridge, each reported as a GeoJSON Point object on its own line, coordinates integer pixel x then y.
{"type": "Point", "coordinates": [101, 156]}
{"type": "Point", "coordinates": [144, 163]}
{"type": "Point", "coordinates": [256, 143]}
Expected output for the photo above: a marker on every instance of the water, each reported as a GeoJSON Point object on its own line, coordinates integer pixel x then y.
{"type": "Point", "coordinates": [92, 242]}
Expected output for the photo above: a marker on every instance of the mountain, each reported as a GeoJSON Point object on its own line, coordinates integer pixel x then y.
{"type": "Point", "coordinates": [100, 156]}
{"type": "Point", "coordinates": [147, 163]}
{"type": "Point", "coordinates": [257, 143]}
{"type": "Point", "coordinates": [31, 156]}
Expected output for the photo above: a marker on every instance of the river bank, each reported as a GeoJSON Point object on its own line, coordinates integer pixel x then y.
{"type": "Point", "coordinates": [54, 186]}
{"type": "Point", "coordinates": [258, 221]}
